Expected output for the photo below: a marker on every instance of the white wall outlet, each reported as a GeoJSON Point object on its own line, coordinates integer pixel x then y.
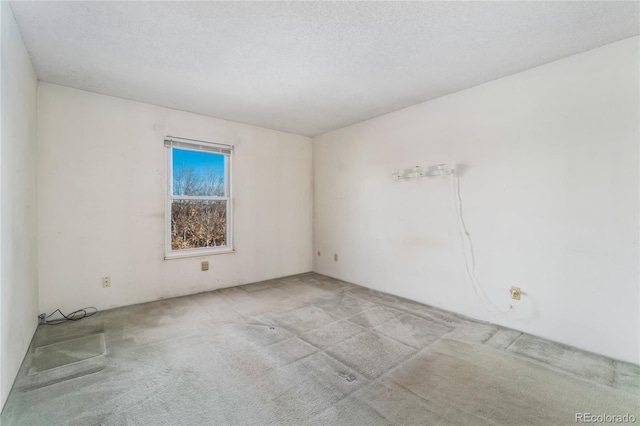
{"type": "Point", "coordinates": [106, 282]}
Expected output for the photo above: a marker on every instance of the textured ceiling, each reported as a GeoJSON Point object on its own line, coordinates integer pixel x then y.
{"type": "Point", "coordinates": [306, 67]}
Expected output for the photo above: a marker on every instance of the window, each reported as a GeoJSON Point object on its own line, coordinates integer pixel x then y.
{"type": "Point", "coordinates": [198, 211]}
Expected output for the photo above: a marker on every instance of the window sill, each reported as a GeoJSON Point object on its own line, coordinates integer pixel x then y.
{"type": "Point", "coordinates": [197, 253]}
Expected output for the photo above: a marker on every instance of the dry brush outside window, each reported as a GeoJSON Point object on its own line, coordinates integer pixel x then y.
{"type": "Point", "coordinates": [198, 197]}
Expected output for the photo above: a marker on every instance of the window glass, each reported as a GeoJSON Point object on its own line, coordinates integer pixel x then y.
{"type": "Point", "coordinates": [198, 173]}
{"type": "Point", "coordinates": [198, 198]}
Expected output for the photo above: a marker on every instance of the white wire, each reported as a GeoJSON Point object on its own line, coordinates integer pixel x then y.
{"type": "Point", "coordinates": [465, 239]}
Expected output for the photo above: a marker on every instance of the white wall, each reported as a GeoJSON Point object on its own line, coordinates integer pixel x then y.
{"type": "Point", "coordinates": [549, 182]}
{"type": "Point", "coordinates": [18, 223]}
{"type": "Point", "coordinates": [101, 202]}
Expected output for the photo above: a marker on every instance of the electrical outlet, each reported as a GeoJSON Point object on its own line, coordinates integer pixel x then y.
{"type": "Point", "coordinates": [204, 266]}
{"type": "Point", "coordinates": [106, 282]}
{"type": "Point", "coordinates": [515, 293]}
{"type": "Point", "coordinates": [335, 257]}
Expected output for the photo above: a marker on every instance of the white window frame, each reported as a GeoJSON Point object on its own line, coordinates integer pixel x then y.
{"type": "Point", "coordinates": [196, 145]}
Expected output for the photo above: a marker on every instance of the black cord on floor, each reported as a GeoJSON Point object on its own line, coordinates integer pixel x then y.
{"type": "Point", "coordinates": [73, 316]}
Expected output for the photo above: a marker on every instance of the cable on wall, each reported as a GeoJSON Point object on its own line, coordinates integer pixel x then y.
{"type": "Point", "coordinates": [443, 170]}
{"type": "Point", "coordinates": [73, 316]}
{"type": "Point", "coordinates": [469, 255]}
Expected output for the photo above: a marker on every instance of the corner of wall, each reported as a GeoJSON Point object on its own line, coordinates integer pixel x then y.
{"type": "Point", "coordinates": [18, 196]}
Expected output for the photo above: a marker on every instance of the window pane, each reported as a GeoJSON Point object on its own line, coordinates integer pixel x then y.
{"type": "Point", "coordinates": [198, 173]}
{"type": "Point", "coordinates": [198, 224]}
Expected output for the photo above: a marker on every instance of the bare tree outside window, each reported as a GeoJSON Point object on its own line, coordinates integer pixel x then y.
{"type": "Point", "coordinates": [198, 200]}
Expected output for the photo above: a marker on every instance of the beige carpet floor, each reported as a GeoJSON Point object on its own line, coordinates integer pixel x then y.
{"type": "Point", "coordinates": [307, 349]}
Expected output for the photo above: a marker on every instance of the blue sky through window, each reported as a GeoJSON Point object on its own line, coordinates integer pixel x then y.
{"type": "Point", "coordinates": [203, 164]}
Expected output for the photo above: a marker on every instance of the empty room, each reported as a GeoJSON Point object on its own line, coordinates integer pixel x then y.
{"type": "Point", "coordinates": [319, 213]}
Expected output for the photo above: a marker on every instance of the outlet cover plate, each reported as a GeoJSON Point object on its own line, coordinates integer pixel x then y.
{"type": "Point", "coordinates": [515, 293]}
